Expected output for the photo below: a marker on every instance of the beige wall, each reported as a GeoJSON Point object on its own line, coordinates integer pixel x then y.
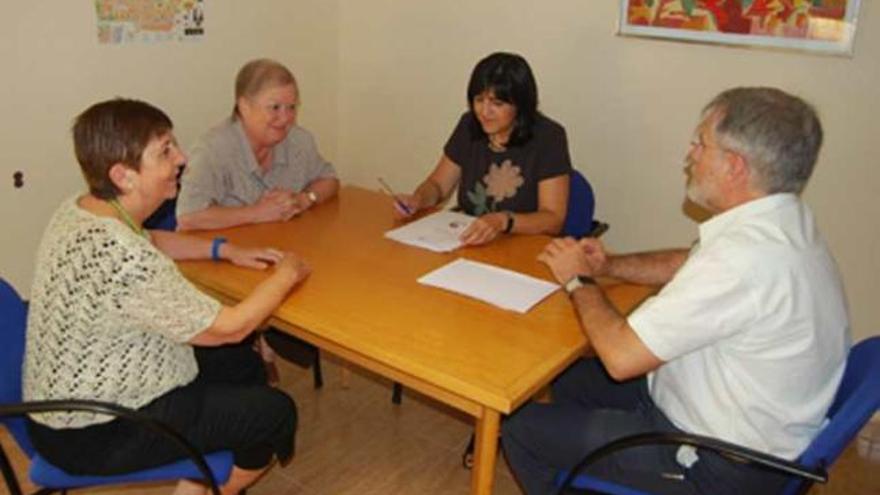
{"type": "Point", "coordinates": [383, 82]}
{"type": "Point", "coordinates": [629, 106]}
{"type": "Point", "coordinates": [53, 68]}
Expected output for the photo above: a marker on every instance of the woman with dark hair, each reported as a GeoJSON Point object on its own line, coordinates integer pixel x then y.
{"type": "Point", "coordinates": [112, 319]}
{"type": "Point", "coordinates": [509, 161]}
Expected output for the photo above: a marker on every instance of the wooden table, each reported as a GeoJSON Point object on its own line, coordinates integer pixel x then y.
{"type": "Point", "coordinates": [362, 303]}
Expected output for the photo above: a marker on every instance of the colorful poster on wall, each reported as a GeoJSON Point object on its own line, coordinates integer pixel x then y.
{"type": "Point", "coordinates": [827, 26]}
{"type": "Point", "coordinates": [149, 21]}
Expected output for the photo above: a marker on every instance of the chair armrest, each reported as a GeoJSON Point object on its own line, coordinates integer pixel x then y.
{"type": "Point", "coordinates": [119, 412]}
{"type": "Point", "coordinates": [732, 452]}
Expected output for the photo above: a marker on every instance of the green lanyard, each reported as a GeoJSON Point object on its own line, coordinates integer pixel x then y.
{"type": "Point", "coordinates": [127, 218]}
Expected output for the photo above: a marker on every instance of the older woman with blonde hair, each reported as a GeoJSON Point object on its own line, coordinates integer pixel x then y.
{"type": "Point", "coordinates": [112, 319]}
{"type": "Point", "coordinates": [257, 165]}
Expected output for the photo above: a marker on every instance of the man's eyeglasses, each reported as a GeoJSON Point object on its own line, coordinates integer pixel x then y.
{"type": "Point", "coordinates": [698, 145]}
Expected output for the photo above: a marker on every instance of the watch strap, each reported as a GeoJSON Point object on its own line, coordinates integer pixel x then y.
{"type": "Point", "coordinates": [508, 227]}
{"type": "Point", "coordinates": [215, 247]}
{"type": "Point", "coordinates": [577, 282]}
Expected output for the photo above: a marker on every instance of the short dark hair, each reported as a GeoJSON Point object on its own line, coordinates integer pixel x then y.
{"type": "Point", "coordinates": [510, 79]}
{"type": "Point", "coordinates": [778, 134]}
{"type": "Point", "coordinates": [111, 132]}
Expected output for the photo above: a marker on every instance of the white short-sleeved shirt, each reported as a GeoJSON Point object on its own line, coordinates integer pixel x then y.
{"type": "Point", "coordinates": [109, 318]}
{"type": "Point", "coordinates": [753, 329]}
{"type": "Point", "coordinates": [223, 171]}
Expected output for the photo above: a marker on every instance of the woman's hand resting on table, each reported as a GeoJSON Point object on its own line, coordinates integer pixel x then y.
{"type": "Point", "coordinates": [276, 205]}
{"type": "Point", "coordinates": [484, 229]}
{"type": "Point", "coordinates": [291, 265]}
{"type": "Point", "coordinates": [293, 268]}
{"type": "Point", "coordinates": [256, 258]}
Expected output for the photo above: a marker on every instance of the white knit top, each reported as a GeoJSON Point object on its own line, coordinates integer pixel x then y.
{"type": "Point", "coordinates": [109, 318]}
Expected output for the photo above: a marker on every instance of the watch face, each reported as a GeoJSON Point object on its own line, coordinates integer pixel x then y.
{"type": "Point", "coordinates": [312, 196]}
{"type": "Point", "coordinates": [577, 282]}
{"type": "Point", "coordinates": [573, 284]}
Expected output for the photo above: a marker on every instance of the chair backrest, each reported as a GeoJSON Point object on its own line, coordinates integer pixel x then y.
{"type": "Point", "coordinates": [581, 206]}
{"type": "Point", "coordinates": [13, 325]}
{"type": "Point", "coordinates": [13, 329]}
{"type": "Point", "coordinates": [165, 218]}
{"type": "Point", "coordinates": [857, 399]}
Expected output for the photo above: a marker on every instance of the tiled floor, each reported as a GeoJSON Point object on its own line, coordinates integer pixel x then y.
{"type": "Point", "coordinates": [354, 441]}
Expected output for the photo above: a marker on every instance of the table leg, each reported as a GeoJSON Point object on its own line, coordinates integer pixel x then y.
{"type": "Point", "coordinates": [485, 452]}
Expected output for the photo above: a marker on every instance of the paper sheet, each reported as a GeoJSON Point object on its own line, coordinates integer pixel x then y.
{"type": "Point", "coordinates": [499, 286]}
{"type": "Point", "coordinates": [437, 232]}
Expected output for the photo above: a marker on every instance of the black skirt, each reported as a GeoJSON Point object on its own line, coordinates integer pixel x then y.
{"type": "Point", "coordinates": [228, 406]}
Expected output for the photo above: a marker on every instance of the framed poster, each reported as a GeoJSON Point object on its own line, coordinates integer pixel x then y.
{"type": "Point", "coordinates": [139, 21]}
{"type": "Point", "coordinates": [826, 26]}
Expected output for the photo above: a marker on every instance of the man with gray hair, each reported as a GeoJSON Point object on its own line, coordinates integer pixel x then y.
{"type": "Point", "coordinates": [745, 342]}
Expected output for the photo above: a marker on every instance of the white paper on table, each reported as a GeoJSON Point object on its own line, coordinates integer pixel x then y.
{"type": "Point", "coordinates": [437, 232]}
{"type": "Point", "coordinates": [499, 286]}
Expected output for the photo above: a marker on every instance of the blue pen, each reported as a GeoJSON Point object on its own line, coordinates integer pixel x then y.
{"type": "Point", "coordinates": [398, 202]}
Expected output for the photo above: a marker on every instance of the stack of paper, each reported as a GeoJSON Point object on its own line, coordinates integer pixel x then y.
{"type": "Point", "coordinates": [501, 287]}
{"type": "Point", "coordinates": [438, 232]}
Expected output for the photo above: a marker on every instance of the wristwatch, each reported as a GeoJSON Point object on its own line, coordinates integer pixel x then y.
{"type": "Point", "coordinates": [313, 198]}
{"type": "Point", "coordinates": [577, 282]}
{"type": "Point", "coordinates": [508, 227]}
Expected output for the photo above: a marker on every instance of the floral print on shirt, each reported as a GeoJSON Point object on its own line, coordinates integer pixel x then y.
{"type": "Point", "coordinates": [501, 182]}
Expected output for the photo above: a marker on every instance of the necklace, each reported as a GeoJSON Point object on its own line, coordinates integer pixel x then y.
{"type": "Point", "coordinates": [127, 218]}
{"type": "Point", "coordinates": [498, 148]}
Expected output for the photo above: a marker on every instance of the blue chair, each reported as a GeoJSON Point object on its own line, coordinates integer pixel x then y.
{"type": "Point", "coordinates": [165, 218]}
{"type": "Point", "coordinates": [581, 206]}
{"type": "Point", "coordinates": [212, 468]}
{"type": "Point", "coordinates": [857, 399]}
{"type": "Point", "coordinates": [579, 220]}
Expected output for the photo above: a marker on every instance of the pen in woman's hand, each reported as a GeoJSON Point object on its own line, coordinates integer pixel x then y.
{"type": "Point", "coordinates": [400, 204]}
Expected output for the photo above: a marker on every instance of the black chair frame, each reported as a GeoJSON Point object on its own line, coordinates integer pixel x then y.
{"type": "Point", "coordinates": [732, 452]}
{"type": "Point", "coordinates": [102, 408]}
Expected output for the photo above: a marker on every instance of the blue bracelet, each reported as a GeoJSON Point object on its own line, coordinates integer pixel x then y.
{"type": "Point", "coordinates": [215, 247]}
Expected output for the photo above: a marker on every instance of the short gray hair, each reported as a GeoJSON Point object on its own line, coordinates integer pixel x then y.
{"type": "Point", "coordinates": [257, 75]}
{"type": "Point", "coordinates": [778, 134]}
